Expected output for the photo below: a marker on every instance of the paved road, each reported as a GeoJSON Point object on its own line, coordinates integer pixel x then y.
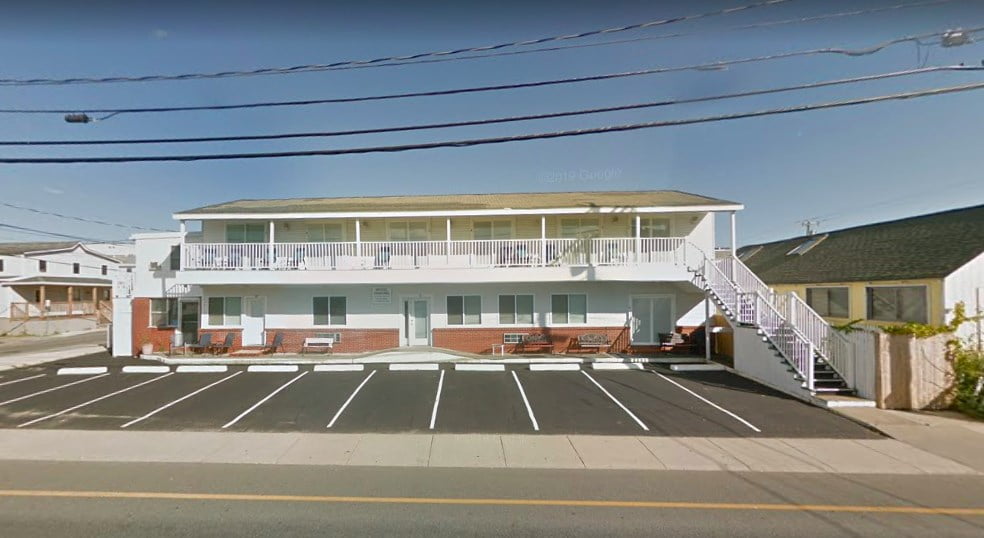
{"type": "Point", "coordinates": [651, 402]}
{"type": "Point", "coordinates": [151, 500]}
{"type": "Point", "coordinates": [10, 345]}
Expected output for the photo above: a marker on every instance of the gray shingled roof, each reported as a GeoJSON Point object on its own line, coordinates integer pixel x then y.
{"type": "Point", "coordinates": [537, 200]}
{"type": "Point", "coordinates": [926, 246]}
{"type": "Point", "coordinates": [13, 249]}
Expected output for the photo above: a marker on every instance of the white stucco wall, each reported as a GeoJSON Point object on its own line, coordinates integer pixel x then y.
{"type": "Point", "coordinates": [154, 248]}
{"type": "Point", "coordinates": [290, 307]}
{"type": "Point", "coordinates": [966, 285]}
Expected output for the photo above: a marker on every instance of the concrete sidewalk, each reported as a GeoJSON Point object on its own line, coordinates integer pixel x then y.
{"type": "Point", "coordinates": [21, 360]}
{"type": "Point", "coordinates": [863, 456]}
{"type": "Point", "coordinates": [945, 434]}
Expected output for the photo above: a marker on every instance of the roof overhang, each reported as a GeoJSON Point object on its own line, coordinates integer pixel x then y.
{"type": "Point", "coordinates": [58, 281]}
{"type": "Point", "coordinates": [458, 213]}
{"type": "Point", "coordinates": [77, 246]}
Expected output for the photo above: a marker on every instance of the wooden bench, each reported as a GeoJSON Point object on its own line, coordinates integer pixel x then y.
{"type": "Point", "coordinates": [535, 341]}
{"type": "Point", "coordinates": [317, 343]}
{"type": "Point", "coordinates": [596, 342]}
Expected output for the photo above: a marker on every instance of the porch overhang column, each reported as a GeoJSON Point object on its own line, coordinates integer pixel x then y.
{"type": "Point", "coordinates": [270, 252]}
{"type": "Point", "coordinates": [707, 326]}
{"type": "Point", "coordinates": [95, 302]}
{"type": "Point", "coordinates": [734, 246]}
{"type": "Point", "coordinates": [448, 239]}
{"type": "Point", "coordinates": [543, 240]}
{"type": "Point", "coordinates": [358, 239]}
{"type": "Point", "coordinates": [638, 238]}
{"type": "Point", "coordinates": [183, 228]}
{"type": "Point", "coordinates": [44, 299]}
{"type": "Point", "coordinates": [71, 307]}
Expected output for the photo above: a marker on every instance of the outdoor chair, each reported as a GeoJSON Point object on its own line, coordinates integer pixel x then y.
{"type": "Point", "coordinates": [204, 344]}
{"type": "Point", "coordinates": [278, 343]}
{"type": "Point", "coordinates": [225, 346]}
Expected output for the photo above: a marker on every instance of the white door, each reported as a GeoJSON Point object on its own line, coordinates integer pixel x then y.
{"type": "Point", "coordinates": [416, 318]}
{"type": "Point", "coordinates": [254, 321]}
{"type": "Point", "coordinates": [651, 316]}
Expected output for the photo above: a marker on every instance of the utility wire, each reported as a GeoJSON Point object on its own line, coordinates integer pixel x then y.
{"type": "Point", "coordinates": [81, 219]}
{"type": "Point", "coordinates": [52, 234]}
{"type": "Point", "coordinates": [496, 140]}
{"type": "Point", "coordinates": [317, 67]}
{"type": "Point", "coordinates": [707, 66]}
{"type": "Point", "coordinates": [487, 121]}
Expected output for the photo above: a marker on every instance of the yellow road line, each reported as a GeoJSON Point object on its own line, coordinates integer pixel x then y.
{"type": "Point", "coordinates": [329, 499]}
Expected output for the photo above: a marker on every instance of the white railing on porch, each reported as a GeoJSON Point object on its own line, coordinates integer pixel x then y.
{"type": "Point", "coordinates": [432, 254]}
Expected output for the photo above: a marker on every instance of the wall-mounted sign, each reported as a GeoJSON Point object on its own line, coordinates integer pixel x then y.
{"type": "Point", "coordinates": [382, 296]}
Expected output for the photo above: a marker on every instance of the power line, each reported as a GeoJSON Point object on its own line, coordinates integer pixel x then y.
{"type": "Point", "coordinates": [707, 66]}
{"type": "Point", "coordinates": [317, 67]}
{"type": "Point", "coordinates": [487, 121]}
{"type": "Point", "coordinates": [81, 219]}
{"type": "Point", "coordinates": [497, 140]}
{"type": "Point", "coordinates": [51, 234]}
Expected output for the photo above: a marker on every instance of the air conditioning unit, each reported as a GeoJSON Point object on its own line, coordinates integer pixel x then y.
{"type": "Point", "coordinates": [154, 266]}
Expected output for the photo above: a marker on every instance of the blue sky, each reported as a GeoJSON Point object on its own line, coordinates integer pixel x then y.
{"type": "Point", "coordinates": [846, 166]}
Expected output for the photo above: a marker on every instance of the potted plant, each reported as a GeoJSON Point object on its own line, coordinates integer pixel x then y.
{"type": "Point", "coordinates": [146, 347]}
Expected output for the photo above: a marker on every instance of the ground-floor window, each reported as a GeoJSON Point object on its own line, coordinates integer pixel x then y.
{"type": "Point", "coordinates": [225, 311]}
{"type": "Point", "coordinates": [829, 302]}
{"type": "Point", "coordinates": [898, 303]}
{"type": "Point", "coordinates": [464, 309]}
{"type": "Point", "coordinates": [329, 310]}
{"type": "Point", "coordinates": [164, 312]}
{"type": "Point", "coordinates": [516, 310]}
{"type": "Point", "coordinates": [569, 308]}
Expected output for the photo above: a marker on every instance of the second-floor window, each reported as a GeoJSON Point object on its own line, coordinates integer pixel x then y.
{"type": "Point", "coordinates": [407, 230]}
{"type": "Point", "coordinates": [829, 302]}
{"type": "Point", "coordinates": [493, 229]}
{"type": "Point", "coordinates": [225, 311]}
{"type": "Point", "coordinates": [652, 227]}
{"type": "Point", "coordinates": [1, 265]}
{"type": "Point", "coordinates": [246, 233]}
{"type": "Point", "coordinates": [174, 259]}
{"type": "Point", "coordinates": [326, 232]}
{"type": "Point", "coordinates": [897, 303]}
{"type": "Point", "coordinates": [42, 266]}
{"type": "Point", "coordinates": [104, 270]}
{"type": "Point", "coordinates": [579, 228]}
{"type": "Point", "coordinates": [76, 268]}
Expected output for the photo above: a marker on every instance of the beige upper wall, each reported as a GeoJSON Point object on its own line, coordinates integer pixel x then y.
{"type": "Point", "coordinates": [857, 296]}
{"type": "Point", "coordinates": [524, 227]}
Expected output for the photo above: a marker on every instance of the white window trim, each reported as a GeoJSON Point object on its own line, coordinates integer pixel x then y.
{"type": "Point", "coordinates": [329, 324]}
{"type": "Point", "coordinates": [929, 306]}
{"type": "Point", "coordinates": [206, 312]}
{"type": "Point", "coordinates": [447, 315]}
{"type": "Point", "coordinates": [499, 312]}
{"type": "Point", "coordinates": [587, 310]}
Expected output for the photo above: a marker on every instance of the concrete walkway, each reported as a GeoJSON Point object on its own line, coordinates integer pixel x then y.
{"type": "Point", "coordinates": [21, 351]}
{"type": "Point", "coordinates": [946, 434]}
{"type": "Point", "coordinates": [882, 456]}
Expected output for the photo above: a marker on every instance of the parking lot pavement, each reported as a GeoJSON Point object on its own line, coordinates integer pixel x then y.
{"type": "Point", "coordinates": [391, 402]}
{"type": "Point", "coordinates": [651, 402]}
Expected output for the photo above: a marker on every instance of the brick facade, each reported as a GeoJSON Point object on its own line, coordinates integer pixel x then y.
{"type": "Point", "coordinates": [142, 332]}
{"type": "Point", "coordinates": [352, 340]}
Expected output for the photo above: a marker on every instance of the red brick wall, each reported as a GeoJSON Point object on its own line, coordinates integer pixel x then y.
{"type": "Point", "coordinates": [481, 339]}
{"type": "Point", "coordinates": [353, 340]}
{"type": "Point", "coordinates": [161, 338]}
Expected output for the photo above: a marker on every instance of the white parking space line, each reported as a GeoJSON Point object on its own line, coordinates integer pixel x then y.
{"type": "Point", "coordinates": [568, 367]}
{"type": "Point", "coordinates": [618, 403]}
{"type": "Point", "coordinates": [480, 367]}
{"type": "Point", "coordinates": [272, 368]}
{"type": "Point", "coordinates": [201, 368]}
{"type": "Point", "coordinates": [146, 369]}
{"type": "Point", "coordinates": [21, 379]}
{"type": "Point", "coordinates": [52, 389]}
{"type": "Point", "coordinates": [617, 366]}
{"type": "Point", "coordinates": [711, 367]}
{"type": "Point", "coordinates": [82, 370]}
{"type": "Point", "coordinates": [712, 404]}
{"type": "Point", "coordinates": [536, 427]}
{"type": "Point", "coordinates": [259, 403]}
{"type": "Point", "coordinates": [350, 398]}
{"type": "Point", "coordinates": [179, 400]}
{"type": "Point", "coordinates": [90, 402]}
{"type": "Point", "coordinates": [339, 367]}
{"type": "Point", "coordinates": [413, 367]}
{"type": "Point", "coordinates": [437, 399]}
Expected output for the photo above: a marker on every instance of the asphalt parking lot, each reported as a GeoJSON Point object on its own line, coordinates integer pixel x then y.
{"type": "Point", "coordinates": [652, 401]}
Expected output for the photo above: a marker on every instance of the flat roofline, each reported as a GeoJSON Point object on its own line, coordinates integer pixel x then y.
{"type": "Point", "coordinates": [457, 213]}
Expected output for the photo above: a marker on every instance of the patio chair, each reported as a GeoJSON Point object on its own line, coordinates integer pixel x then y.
{"type": "Point", "coordinates": [204, 344]}
{"type": "Point", "coordinates": [225, 346]}
{"type": "Point", "coordinates": [278, 343]}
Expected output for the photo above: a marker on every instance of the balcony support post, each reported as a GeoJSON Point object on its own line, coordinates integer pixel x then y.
{"type": "Point", "coordinates": [270, 263]}
{"type": "Point", "coordinates": [707, 326]}
{"type": "Point", "coordinates": [734, 247]}
{"type": "Point", "coordinates": [44, 300]}
{"type": "Point", "coordinates": [71, 307]}
{"type": "Point", "coordinates": [358, 239]}
{"type": "Point", "coordinates": [448, 239]}
{"type": "Point", "coordinates": [638, 239]}
{"type": "Point", "coordinates": [183, 228]}
{"type": "Point", "coordinates": [543, 240]}
{"type": "Point", "coordinates": [95, 303]}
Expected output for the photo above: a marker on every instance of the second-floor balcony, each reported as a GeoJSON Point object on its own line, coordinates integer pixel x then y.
{"type": "Point", "coordinates": [380, 255]}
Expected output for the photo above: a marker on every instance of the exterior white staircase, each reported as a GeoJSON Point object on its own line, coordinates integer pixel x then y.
{"type": "Point", "coordinates": [816, 355]}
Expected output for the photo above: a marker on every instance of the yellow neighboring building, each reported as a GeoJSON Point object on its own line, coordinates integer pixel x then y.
{"type": "Point", "coordinates": [909, 270]}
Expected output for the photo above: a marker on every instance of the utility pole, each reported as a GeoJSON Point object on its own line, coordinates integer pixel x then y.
{"type": "Point", "coordinates": [810, 225]}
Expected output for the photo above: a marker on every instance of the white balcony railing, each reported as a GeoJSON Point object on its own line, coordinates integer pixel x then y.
{"type": "Point", "coordinates": [432, 254]}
